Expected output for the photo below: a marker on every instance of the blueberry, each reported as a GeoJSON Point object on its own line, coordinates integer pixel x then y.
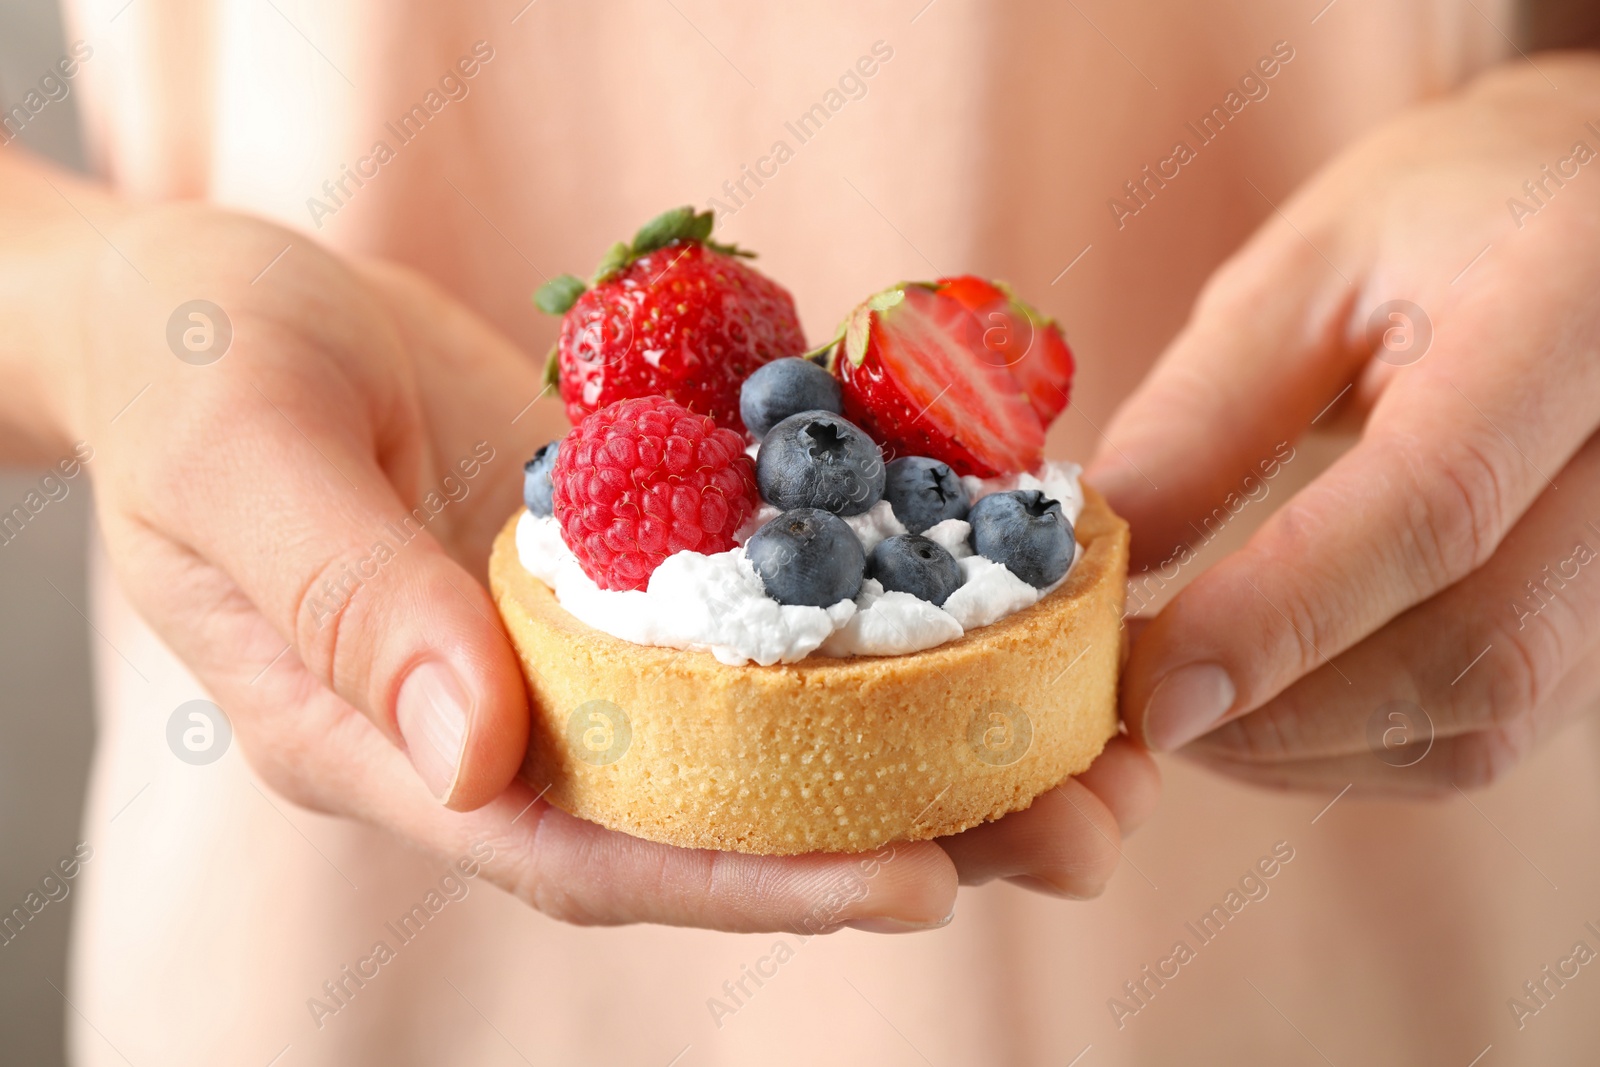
{"type": "Point", "coordinates": [1026, 531]}
{"type": "Point", "coordinates": [536, 487]}
{"type": "Point", "coordinates": [818, 460]}
{"type": "Point", "coordinates": [786, 387]}
{"type": "Point", "coordinates": [923, 492]}
{"type": "Point", "coordinates": [910, 563]}
{"type": "Point", "coordinates": [807, 556]}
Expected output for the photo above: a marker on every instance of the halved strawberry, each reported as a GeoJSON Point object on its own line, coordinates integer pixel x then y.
{"type": "Point", "coordinates": [914, 375]}
{"type": "Point", "coordinates": [1019, 338]}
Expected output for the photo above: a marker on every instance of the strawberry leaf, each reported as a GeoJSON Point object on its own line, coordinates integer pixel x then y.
{"type": "Point", "coordinates": [699, 227]}
{"type": "Point", "coordinates": [730, 250]}
{"type": "Point", "coordinates": [679, 224]}
{"type": "Point", "coordinates": [558, 294]}
{"type": "Point", "coordinates": [552, 368]}
{"type": "Point", "coordinates": [616, 259]}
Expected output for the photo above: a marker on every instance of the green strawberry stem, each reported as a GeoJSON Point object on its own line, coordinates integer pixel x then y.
{"type": "Point", "coordinates": [556, 296]}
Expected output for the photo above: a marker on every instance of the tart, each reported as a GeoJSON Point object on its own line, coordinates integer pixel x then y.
{"type": "Point", "coordinates": [820, 755]}
{"type": "Point", "coordinates": [778, 602]}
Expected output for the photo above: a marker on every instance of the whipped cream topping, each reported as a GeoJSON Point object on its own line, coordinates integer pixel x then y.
{"type": "Point", "coordinates": [717, 604]}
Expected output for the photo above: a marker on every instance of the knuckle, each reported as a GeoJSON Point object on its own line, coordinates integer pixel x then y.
{"type": "Point", "coordinates": [1458, 511]}
{"type": "Point", "coordinates": [1309, 627]}
{"type": "Point", "coordinates": [1522, 678]}
{"type": "Point", "coordinates": [327, 618]}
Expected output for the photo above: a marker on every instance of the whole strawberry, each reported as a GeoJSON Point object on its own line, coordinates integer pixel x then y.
{"type": "Point", "coordinates": [672, 314]}
{"type": "Point", "coordinates": [644, 478]}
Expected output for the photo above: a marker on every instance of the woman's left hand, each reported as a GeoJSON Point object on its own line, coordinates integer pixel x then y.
{"type": "Point", "coordinates": [1438, 284]}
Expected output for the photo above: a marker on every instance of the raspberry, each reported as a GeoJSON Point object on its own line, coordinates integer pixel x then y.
{"type": "Point", "coordinates": [644, 478]}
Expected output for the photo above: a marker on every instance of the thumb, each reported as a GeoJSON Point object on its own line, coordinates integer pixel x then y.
{"type": "Point", "coordinates": [351, 574]}
{"type": "Point", "coordinates": [1263, 352]}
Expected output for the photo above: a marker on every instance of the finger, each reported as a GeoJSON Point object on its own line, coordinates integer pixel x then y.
{"type": "Point", "coordinates": [1482, 654]}
{"type": "Point", "coordinates": [1438, 765]}
{"type": "Point", "coordinates": [583, 873]}
{"type": "Point", "coordinates": [1422, 501]}
{"type": "Point", "coordinates": [1127, 781]}
{"type": "Point", "coordinates": [1124, 779]}
{"type": "Point", "coordinates": [1263, 351]}
{"type": "Point", "coordinates": [1066, 844]}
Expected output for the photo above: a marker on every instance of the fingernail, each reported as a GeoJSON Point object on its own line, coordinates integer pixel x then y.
{"type": "Point", "coordinates": [432, 713]}
{"type": "Point", "coordinates": [1187, 703]}
{"type": "Point", "coordinates": [883, 924]}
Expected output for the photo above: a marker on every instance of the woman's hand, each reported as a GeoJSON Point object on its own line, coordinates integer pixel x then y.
{"type": "Point", "coordinates": [1442, 579]}
{"type": "Point", "coordinates": [305, 518]}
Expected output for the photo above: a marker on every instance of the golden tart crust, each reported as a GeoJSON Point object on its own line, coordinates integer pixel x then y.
{"type": "Point", "coordinates": [825, 755]}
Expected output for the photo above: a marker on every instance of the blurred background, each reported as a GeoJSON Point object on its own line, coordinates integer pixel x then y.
{"type": "Point", "coordinates": [46, 689]}
{"type": "Point", "coordinates": [45, 685]}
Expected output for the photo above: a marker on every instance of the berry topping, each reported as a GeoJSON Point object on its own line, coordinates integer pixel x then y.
{"type": "Point", "coordinates": [807, 556]}
{"type": "Point", "coordinates": [644, 478]}
{"type": "Point", "coordinates": [1017, 337]}
{"type": "Point", "coordinates": [817, 459]}
{"type": "Point", "coordinates": [1026, 532]}
{"type": "Point", "coordinates": [959, 370]}
{"type": "Point", "coordinates": [786, 387]}
{"type": "Point", "coordinates": [913, 564]}
{"type": "Point", "coordinates": [923, 492]}
{"type": "Point", "coordinates": [672, 314]}
{"type": "Point", "coordinates": [536, 487]}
